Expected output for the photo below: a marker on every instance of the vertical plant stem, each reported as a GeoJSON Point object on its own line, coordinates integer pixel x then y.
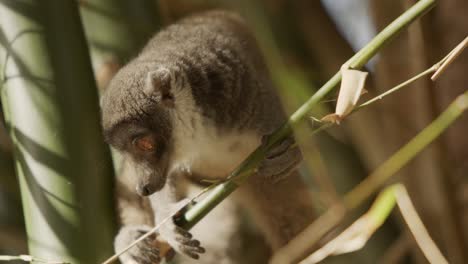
{"type": "Point", "coordinates": [51, 110]}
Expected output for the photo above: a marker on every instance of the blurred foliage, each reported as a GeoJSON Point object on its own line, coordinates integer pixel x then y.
{"type": "Point", "coordinates": [51, 112]}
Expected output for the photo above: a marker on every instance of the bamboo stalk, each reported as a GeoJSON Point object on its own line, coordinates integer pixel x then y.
{"type": "Point", "coordinates": [51, 108]}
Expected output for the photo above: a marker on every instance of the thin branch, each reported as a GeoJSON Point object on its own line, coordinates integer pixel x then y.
{"type": "Point", "coordinates": [156, 228]}
{"type": "Point", "coordinates": [417, 228]}
{"type": "Point", "coordinates": [451, 57]}
{"type": "Point", "coordinates": [398, 87]}
{"type": "Point", "coordinates": [28, 258]}
{"type": "Point", "coordinates": [143, 237]}
{"type": "Point", "coordinates": [434, 68]}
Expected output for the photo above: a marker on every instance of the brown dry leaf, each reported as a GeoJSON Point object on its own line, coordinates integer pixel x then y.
{"type": "Point", "coordinates": [332, 118]}
{"type": "Point", "coordinates": [352, 87]}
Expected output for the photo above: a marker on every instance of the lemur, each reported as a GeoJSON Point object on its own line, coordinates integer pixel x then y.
{"type": "Point", "coordinates": [190, 107]}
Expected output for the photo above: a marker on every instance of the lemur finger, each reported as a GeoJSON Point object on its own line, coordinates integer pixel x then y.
{"type": "Point", "coordinates": [142, 260]}
{"type": "Point", "coordinates": [152, 253]}
{"type": "Point", "coordinates": [281, 148]}
{"type": "Point", "coordinates": [199, 249]}
{"type": "Point", "coordinates": [293, 163]}
{"type": "Point", "coordinates": [187, 251]}
{"type": "Point", "coordinates": [150, 237]}
{"type": "Point", "coordinates": [183, 232]}
{"type": "Point", "coordinates": [193, 243]}
{"type": "Point", "coordinates": [281, 164]}
{"type": "Point", "coordinates": [196, 249]}
{"type": "Point", "coordinates": [170, 254]}
{"type": "Point", "coordinates": [183, 240]}
{"type": "Point", "coordinates": [154, 258]}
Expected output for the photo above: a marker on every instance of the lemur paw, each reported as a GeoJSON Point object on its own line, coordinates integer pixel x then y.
{"type": "Point", "coordinates": [281, 160]}
{"type": "Point", "coordinates": [146, 252]}
{"type": "Point", "coordinates": [180, 239]}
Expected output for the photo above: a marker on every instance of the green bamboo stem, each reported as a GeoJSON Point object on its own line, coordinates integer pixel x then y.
{"type": "Point", "coordinates": [51, 109]}
{"type": "Point", "coordinates": [382, 206]}
{"type": "Point", "coordinates": [239, 175]}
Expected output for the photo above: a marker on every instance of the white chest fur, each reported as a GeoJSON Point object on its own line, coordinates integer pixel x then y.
{"type": "Point", "coordinates": [203, 149]}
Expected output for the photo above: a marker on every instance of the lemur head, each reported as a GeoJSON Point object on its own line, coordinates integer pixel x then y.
{"type": "Point", "coordinates": [136, 120]}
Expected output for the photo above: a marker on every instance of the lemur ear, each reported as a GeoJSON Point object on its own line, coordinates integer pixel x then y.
{"type": "Point", "coordinates": [158, 83]}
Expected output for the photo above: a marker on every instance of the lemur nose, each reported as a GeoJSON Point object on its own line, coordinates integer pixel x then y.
{"type": "Point", "coordinates": [145, 189]}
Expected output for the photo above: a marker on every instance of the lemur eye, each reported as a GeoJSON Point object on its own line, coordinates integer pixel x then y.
{"type": "Point", "coordinates": [145, 143]}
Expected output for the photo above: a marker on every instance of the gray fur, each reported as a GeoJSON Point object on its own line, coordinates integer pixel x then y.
{"type": "Point", "coordinates": [218, 57]}
{"type": "Point", "coordinates": [199, 85]}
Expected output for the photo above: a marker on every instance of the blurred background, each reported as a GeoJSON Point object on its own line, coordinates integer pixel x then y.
{"type": "Point", "coordinates": [314, 38]}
